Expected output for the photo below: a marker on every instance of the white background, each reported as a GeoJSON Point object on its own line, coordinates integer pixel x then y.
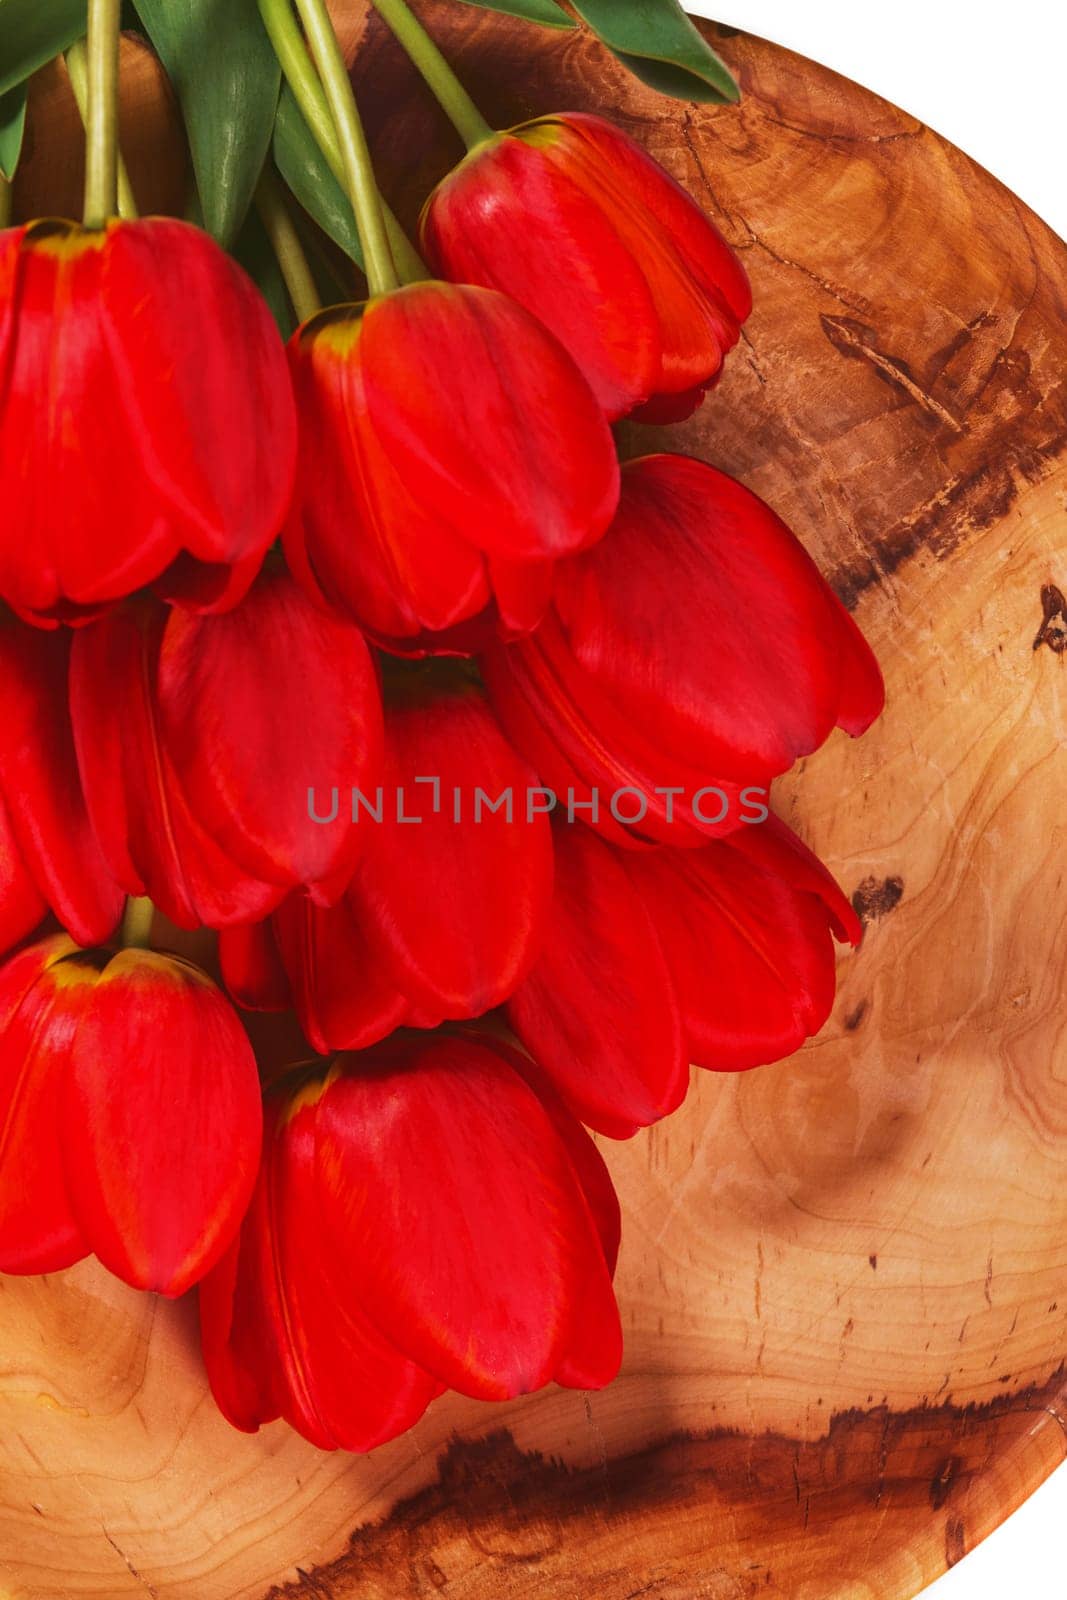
{"type": "Point", "coordinates": [990, 78]}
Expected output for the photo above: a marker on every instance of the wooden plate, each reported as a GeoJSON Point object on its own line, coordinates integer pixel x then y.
{"type": "Point", "coordinates": [844, 1279]}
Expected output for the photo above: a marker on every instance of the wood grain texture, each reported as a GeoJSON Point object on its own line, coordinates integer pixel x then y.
{"type": "Point", "coordinates": [51, 174]}
{"type": "Point", "coordinates": [844, 1279]}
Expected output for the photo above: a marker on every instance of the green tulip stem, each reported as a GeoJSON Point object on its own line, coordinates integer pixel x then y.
{"type": "Point", "coordinates": [77, 62]}
{"type": "Point", "coordinates": [453, 98]}
{"type": "Point", "coordinates": [299, 72]}
{"type": "Point", "coordinates": [5, 202]}
{"type": "Point", "coordinates": [137, 923]}
{"type": "Point", "coordinates": [285, 242]}
{"type": "Point", "coordinates": [102, 112]}
{"type": "Point", "coordinates": [355, 156]}
{"type": "Point", "coordinates": [307, 91]}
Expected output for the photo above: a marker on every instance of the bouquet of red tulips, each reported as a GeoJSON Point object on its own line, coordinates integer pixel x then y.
{"type": "Point", "coordinates": [363, 651]}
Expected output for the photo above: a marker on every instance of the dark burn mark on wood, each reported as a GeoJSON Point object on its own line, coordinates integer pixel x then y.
{"type": "Point", "coordinates": [966, 505]}
{"type": "Point", "coordinates": [1011, 427]}
{"type": "Point", "coordinates": [872, 1262]}
{"type": "Point", "coordinates": [875, 898]}
{"type": "Point", "coordinates": [499, 1519]}
{"type": "Point", "coordinates": [856, 1016]}
{"type": "Point", "coordinates": [1053, 630]}
{"type": "Point", "coordinates": [992, 466]}
{"type": "Point", "coordinates": [955, 1541]}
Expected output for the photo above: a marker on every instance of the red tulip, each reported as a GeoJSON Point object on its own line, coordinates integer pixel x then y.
{"type": "Point", "coordinates": [146, 426]}
{"type": "Point", "coordinates": [581, 226]}
{"type": "Point", "coordinates": [723, 956]}
{"type": "Point", "coordinates": [50, 845]}
{"type": "Point", "coordinates": [427, 1216]}
{"type": "Point", "coordinates": [201, 739]}
{"type": "Point", "coordinates": [687, 661]}
{"type": "Point", "coordinates": [130, 1109]}
{"type": "Point", "coordinates": [449, 902]}
{"type": "Point", "coordinates": [450, 452]}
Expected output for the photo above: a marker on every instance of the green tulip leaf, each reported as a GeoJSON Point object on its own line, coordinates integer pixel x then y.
{"type": "Point", "coordinates": [304, 169]}
{"type": "Point", "coordinates": [661, 46]}
{"type": "Point", "coordinates": [226, 77]}
{"type": "Point", "coordinates": [544, 11]}
{"type": "Point", "coordinates": [12, 128]}
{"type": "Point", "coordinates": [32, 32]}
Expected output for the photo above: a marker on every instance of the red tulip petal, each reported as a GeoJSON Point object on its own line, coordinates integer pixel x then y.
{"type": "Point", "coordinates": [43, 991]}
{"type": "Point", "coordinates": [244, 1316]}
{"type": "Point", "coordinates": [150, 838]}
{"type": "Point", "coordinates": [360, 1389]}
{"type": "Point", "coordinates": [240, 1363]}
{"type": "Point", "coordinates": [566, 263]}
{"type": "Point", "coordinates": [598, 1011]}
{"type": "Point", "coordinates": [775, 848]}
{"type": "Point", "coordinates": [589, 1165]}
{"type": "Point", "coordinates": [458, 901]}
{"type": "Point", "coordinates": [356, 534]}
{"type": "Point", "coordinates": [40, 781]}
{"type": "Point", "coordinates": [206, 588]}
{"type": "Point", "coordinates": [111, 666]}
{"type": "Point", "coordinates": [256, 708]}
{"type": "Point", "coordinates": [201, 885]}
{"type": "Point", "coordinates": [665, 410]}
{"type": "Point", "coordinates": [603, 766]}
{"type": "Point", "coordinates": [67, 534]}
{"type": "Point", "coordinates": [595, 1354]}
{"type": "Point", "coordinates": [111, 473]}
{"type": "Point", "coordinates": [746, 711]}
{"type": "Point", "coordinates": [443, 1176]}
{"type": "Point", "coordinates": [699, 287]}
{"type": "Point", "coordinates": [520, 461]}
{"type": "Point", "coordinates": [343, 992]}
{"type": "Point", "coordinates": [751, 953]}
{"type": "Point", "coordinates": [862, 686]}
{"type": "Point", "coordinates": [594, 1351]}
{"type": "Point", "coordinates": [21, 907]}
{"type": "Point", "coordinates": [252, 967]}
{"type": "Point", "coordinates": [634, 689]}
{"type": "Point", "coordinates": [281, 1330]}
{"type": "Point", "coordinates": [523, 593]}
{"type": "Point", "coordinates": [159, 1196]}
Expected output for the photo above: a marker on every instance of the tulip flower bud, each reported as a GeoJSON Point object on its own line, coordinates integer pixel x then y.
{"type": "Point", "coordinates": [428, 1215]}
{"type": "Point", "coordinates": [687, 660]}
{"type": "Point", "coordinates": [200, 739]}
{"type": "Point", "coordinates": [450, 453]}
{"type": "Point", "coordinates": [449, 902]}
{"type": "Point", "coordinates": [722, 956]}
{"type": "Point", "coordinates": [147, 433]}
{"type": "Point", "coordinates": [581, 226]}
{"type": "Point", "coordinates": [130, 1104]}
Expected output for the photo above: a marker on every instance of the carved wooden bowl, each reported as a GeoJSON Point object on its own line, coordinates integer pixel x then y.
{"type": "Point", "coordinates": [844, 1279]}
